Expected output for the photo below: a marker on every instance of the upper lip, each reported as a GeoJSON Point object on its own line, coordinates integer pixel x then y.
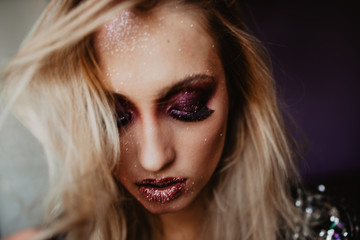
{"type": "Point", "coordinates": [160, 182]}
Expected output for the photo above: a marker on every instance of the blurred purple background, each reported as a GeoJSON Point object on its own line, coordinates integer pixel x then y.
{"type": "Point", "coordinates": [314, 46]}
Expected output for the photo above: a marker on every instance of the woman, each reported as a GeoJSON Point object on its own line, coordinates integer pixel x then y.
{"type": "Point", "coordinates": [159, 120]}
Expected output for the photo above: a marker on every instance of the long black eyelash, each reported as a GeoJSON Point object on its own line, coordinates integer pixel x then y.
{"type": "Point", "coordinates": [123, 119]}
{"type": "Point", "coordinates": [123, 115]}
{"type": "Point", "coordinates": [197, 115]}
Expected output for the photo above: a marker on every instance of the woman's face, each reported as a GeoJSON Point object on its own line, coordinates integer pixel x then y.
{"type": "Point", "coordinates": [172, 104]}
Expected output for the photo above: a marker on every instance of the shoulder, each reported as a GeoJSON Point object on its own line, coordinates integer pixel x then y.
{"type": "Point", "coordinates": [23, 235]}
{"type": "Point", "coordinates": [327, 217]}
{"type": "Point", "coordinates": [30, 234]}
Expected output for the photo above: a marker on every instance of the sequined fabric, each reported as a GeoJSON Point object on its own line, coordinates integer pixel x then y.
{"type": "Point", "coordinates": [326, 218]}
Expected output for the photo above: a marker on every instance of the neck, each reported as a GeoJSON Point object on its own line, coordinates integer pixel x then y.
{"type": "Point", "coordinates": [185, 224]}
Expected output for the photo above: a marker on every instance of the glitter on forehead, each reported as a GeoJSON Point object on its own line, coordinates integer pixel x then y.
{"type": "Point", "coordinates": [123, 33]}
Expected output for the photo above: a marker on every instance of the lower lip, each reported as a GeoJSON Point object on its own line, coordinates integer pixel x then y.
{"type": "Point", "coordinates": [162, 194]}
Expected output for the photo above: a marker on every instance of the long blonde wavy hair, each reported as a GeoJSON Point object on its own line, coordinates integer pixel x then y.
{"type": "Point", "coordinates": [53, 85]}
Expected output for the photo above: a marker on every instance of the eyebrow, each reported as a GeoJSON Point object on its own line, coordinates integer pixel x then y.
{"type": "Point", "coordinates": [194, 81]}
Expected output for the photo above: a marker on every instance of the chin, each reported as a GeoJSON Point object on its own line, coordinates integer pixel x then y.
{"type": "Point", "coordinates": [162, 209]}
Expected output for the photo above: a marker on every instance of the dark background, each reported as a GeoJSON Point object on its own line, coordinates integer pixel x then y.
{"type": "Point", "coordinates": [314, 46]}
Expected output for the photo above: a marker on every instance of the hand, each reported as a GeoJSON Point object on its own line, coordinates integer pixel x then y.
{"type": "Point", "coordinates": [26, 234]}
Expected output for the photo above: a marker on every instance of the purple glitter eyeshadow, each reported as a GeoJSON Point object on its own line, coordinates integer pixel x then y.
{"type": "Point", "coordinates": [197, 115]}
{"type": "Point", "coordinates": [184, 103]}
{"type": "Point", "coordinates": [122, 114]}
{"type": "Point", "coordinates": [123, 118]}
{"type": "Point", "coordinates": [190, 106]}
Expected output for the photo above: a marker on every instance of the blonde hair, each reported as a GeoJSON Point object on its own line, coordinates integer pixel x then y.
{"type": "Point", "coordinates": [54, 86]}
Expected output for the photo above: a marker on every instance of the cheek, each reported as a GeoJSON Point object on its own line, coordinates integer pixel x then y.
{"type": "Point", "coordinates": [203, 143]}
{"type": "Point", "coordinates": [201, 148]}
{"type": "Point", "coordinates": [127, 166]}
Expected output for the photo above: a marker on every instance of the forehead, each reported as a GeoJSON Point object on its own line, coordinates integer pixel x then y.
{"type": "Point", "coordinates": [155, 48]}
{"type": "Point", "coordinates": [129, 30]}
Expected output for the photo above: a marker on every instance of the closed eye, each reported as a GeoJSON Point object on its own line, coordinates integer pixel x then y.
{"type": "Point", "coordinates": [123, 111]}
{"type": "Point", "coordinates": [123, 119]}
{"type": "Point", "coordinates": [191, 116]}
{"type": "Point", "coordinates": [190, 105]}
{"type": "Point", "coordinates": [185, 101]}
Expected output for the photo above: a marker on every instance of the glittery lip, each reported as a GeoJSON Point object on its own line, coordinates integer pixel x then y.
{"type": "Point", "coordinates": [162, 190]}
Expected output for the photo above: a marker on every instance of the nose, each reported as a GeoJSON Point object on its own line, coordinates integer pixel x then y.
{"type": "Point", "coordinates": [156, 151]}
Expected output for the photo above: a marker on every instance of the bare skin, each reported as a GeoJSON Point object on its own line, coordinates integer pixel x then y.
{"type": "Point", "coordinates": [184, 225]}
{"type": "Point", "coordinates": [26, 234]}
{"type": "Point", "coordinates": [143, 57]}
